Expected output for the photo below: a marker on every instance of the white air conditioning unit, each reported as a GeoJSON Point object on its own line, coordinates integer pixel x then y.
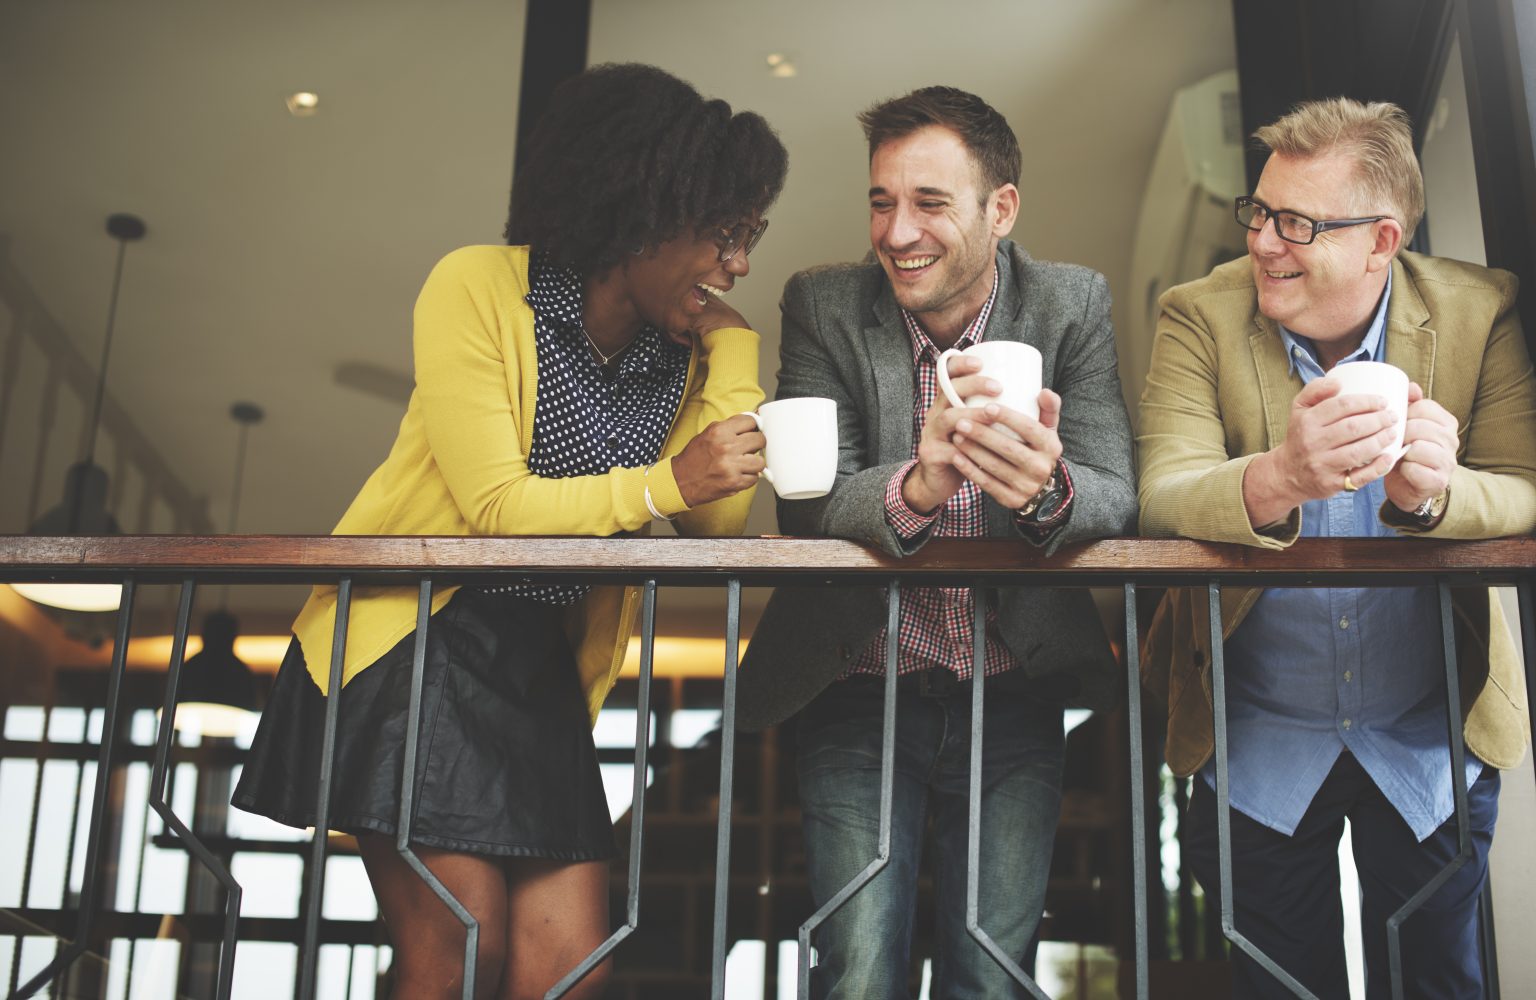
{"type": "Point", "coordinates": [1185, 226]}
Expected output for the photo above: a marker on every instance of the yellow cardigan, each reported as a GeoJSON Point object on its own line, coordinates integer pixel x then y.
{"type": "Point", "coordinates": [459, 464]}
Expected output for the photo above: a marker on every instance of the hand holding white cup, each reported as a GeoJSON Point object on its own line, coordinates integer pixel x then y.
{"type": "Point", "coordinates": [1377, 378]}
{"type": "Point", "coordinates": [801, 454]}
{"type": "Point", "coordinates": [1015, 366]}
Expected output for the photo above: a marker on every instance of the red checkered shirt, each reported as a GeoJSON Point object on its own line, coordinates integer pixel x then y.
{"type": "Point", "coordinates": [936, 622]}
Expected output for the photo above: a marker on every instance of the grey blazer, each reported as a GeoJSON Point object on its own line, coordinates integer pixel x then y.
{"type": "Point", "coordinates": [843, 337]}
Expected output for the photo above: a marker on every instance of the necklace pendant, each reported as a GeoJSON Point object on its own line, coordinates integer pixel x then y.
{"type": "Point", "coordinates": [607, 362]}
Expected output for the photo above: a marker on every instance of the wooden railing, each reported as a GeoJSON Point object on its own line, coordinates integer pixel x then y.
{"type": "Point", "coordinates": [650, 562]}
{"type": "Point", "coordinates": [758, 561]}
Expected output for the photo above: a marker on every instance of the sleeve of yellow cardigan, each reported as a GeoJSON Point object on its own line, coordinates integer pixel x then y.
{"type": "Point", "coordinates": [1189, 486]}
{"type": "Point", "coordinates": [469, 390]}
{"type": "Point", "coordinates": [725, 385]}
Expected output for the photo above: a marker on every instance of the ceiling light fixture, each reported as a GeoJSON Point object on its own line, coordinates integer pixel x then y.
{"type": "Point", "coordinates": [218, 693]}
{"type": "Point", "coordinates": [303, 103]}
{"type": "Point", "coordinates": [84, 507]}
{"type": "Point", "coordinates": [780, 65]}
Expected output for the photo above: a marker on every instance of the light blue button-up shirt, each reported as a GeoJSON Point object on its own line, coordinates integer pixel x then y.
{"type": "Point", "coordinates": [1312, 672]}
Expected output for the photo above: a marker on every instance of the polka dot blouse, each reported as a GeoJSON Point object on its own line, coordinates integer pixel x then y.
{"type": "Point", "coordinates": [590, 417]}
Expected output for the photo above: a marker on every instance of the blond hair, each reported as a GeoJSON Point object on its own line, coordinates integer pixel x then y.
{"type": "Point", "coordinates": [1378, 137]}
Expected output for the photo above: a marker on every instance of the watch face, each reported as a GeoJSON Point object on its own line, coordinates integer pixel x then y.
{"type": "Point", "coordinates": [1050, 505]}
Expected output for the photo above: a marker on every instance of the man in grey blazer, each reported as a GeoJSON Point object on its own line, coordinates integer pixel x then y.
{"type": "Point", "coordinates": [943, 173]}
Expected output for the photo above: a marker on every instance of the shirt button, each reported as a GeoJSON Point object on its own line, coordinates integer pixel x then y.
{"type": "Point", "coordinates": [1347, 723]}
{"type": "Point", "coordinates": [612, 443]}
{"type": "Point", "coordinates": [1343, 623]}
{"type": "Point", "coordinates": [1349, 675]}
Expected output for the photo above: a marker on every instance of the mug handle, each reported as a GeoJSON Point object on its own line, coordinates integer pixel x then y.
{"type": "Point", "coordinates": [943, 374]}
{"type": "Point", "coordinates": [759, 422]}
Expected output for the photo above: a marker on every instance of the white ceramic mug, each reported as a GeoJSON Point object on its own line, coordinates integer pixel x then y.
{"type": "Point", "coordinates": [802, 445]}
{"type": "Point", "coordinates": [1377, 378]}
{"type": "Point", "coordinates": [1017, 366]}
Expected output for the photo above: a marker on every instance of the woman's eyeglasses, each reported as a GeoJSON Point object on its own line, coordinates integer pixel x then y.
{"type": "Point", "coordinates": [740, 238]}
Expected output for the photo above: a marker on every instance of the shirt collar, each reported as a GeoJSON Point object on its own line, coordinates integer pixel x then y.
{"type": "Point", "coordinates": [554, 292]}
{"type": "Point", "coordinates": [975, 331]}
{"type": "Point", "coordinates": [1303, 353]}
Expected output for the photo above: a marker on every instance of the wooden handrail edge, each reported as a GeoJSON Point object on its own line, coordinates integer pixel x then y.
{"type": "Point", "coordinates": [22, 556]}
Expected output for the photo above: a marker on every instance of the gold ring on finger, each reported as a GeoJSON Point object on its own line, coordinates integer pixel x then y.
{"type": "Point", "coordinates": [1349, 484]}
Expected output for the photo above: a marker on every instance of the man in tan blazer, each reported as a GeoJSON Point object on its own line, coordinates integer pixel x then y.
{"type": "Point", "coordinates": [1335, 696]}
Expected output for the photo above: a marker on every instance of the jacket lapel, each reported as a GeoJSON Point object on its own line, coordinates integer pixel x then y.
{"type": "Point", "coordinates": [1010, 321]}
{"type": "Point", "coordinates": [1410, 344]}
{"type": "Point", "coordinates": [1277, 386]}
{"type": "Point", "coordinates": [890, 362]}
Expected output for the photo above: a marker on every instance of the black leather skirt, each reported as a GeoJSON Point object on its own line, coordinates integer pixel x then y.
{"type": "Point", "coordinates": [505, 763]}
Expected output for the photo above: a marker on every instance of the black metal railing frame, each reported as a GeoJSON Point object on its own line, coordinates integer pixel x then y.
{"type": "Point", "coordinates": [893, 579]}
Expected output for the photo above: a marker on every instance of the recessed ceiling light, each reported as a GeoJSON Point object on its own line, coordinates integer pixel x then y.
{"type": "Point", "coordinates": [303, 104]}
{"type": "Point", "coordinates": [779, 65]}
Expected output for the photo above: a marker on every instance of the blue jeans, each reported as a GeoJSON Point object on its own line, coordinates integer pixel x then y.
{"type": "Point", "coordinates": [864, 949]}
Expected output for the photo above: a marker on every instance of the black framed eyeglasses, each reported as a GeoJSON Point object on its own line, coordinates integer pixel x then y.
{"type": "Point", "coordinates": [740, 238]}
{"type": "Point", "coordinates": [1293, 227]}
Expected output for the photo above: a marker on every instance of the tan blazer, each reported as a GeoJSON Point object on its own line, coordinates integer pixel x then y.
{"type": "Point", "coordinates": [1219, 392]}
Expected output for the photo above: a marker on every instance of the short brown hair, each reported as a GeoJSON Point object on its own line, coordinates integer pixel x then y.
{"type": "Point", "coordinates": [985, 133]}
{"type": "Point", "coordinates": [1378, 137]}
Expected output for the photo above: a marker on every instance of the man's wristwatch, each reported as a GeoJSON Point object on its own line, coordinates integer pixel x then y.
{"type": "Point", "coordinates": [1049, 501]}
{"type": "Point", "coordinates": [1433, 509]}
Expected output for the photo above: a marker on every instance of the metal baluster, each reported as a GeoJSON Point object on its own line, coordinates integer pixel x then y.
{"type": "Point", "coordinates": [1528, 629]}
{"type": "Point", "coordinates": [727, 767]}
{"type": "Point", "coordinates": [138, 882]}
{"type": "Point", "coordinates": [1138, 789]}
{"type": "Point", "coordinates": [973, 847]}
{"type": "Point", "coordinates": [408, 779]}
{"type": "Point", "coordinates": [637, 800]}
{"type": "Point", "coordinates": [69, 861]}
{"type": "Point", "coordinates": [309, 955]}
{"type": "Point", "coordinates": [159, 798]}
{"type": "Point", "coordinates": [74, 827]}
{"type": "Point", "coordinates": [30, 845]}
{"type": "Point", "coordinates": [1458, 790]}
{"type": "Point", "coordinates": [44, 753]}
{"type": "Point", "coordinates": [887, 781]}
{"type": "Point", "coordinates": [1224, 801]}
{"type": "Point", "coordinates": [99, 801]}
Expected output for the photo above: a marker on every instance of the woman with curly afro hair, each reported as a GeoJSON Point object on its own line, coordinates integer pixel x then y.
{"type": "Point", "coordinates": [584, 380]}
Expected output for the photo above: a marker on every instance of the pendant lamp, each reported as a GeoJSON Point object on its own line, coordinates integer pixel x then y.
{"type": "Point", "coordinates": [83, 510]}
{"type": "Point", "coordinates": [218, 691]}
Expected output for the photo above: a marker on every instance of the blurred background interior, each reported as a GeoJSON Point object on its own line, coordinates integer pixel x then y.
{"type": "Point", "coordinates": [297, 168]}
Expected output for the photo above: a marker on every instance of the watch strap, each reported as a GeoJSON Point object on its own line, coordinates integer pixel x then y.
{"type": "Point", "coordinates": [1433, 509]}
{"type": "Point", "coordinates": [1049, 507]}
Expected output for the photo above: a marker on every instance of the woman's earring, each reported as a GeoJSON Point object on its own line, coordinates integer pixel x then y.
{"type": "Point", "coordinates": [637, 251]}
